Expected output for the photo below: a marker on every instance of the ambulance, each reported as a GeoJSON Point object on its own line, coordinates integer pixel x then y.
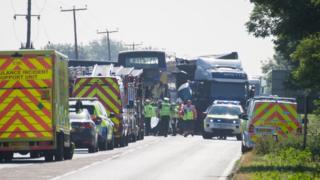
{"type": "Point", "coordinates": [271, 116]}
{"type": "Point", "coordinates": [34, 115]}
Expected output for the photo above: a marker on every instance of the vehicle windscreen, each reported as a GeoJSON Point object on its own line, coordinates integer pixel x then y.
{"type": "Point", "coordinates": [77, 116]}
{"type": "Point", "coordinates": [230, 91]}
{"type": "Point", "coordinates": [90, 108]}
{"type": "Point", "coordinates": [142, 62]}
{"type": "Point", "coordinates": [225, 110]}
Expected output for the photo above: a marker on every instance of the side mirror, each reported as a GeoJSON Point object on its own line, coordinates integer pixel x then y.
{"type": "Point", "coordinates": [112, 115]}
{"type": "Point", "coordinates": [243, 116]}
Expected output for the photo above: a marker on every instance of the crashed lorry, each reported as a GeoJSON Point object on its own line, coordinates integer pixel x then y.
{"type": "Point", "coordinates": [34, 105]}
{"type": "Point", "coordinates": [208, 78]}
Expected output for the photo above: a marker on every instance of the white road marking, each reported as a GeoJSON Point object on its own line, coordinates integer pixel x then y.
{"type": "Point", "coordinates": [229, 168]}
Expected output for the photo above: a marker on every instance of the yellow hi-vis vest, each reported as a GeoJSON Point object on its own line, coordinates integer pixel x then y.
{"type": "Point", "coordinates": [148, 111]}
{"type": "Point", "coordinates": [187, 113]}
{"type": "Point", "coordinates": [165, 109]}
{"type": "Point", "coordinates": [174, 111]}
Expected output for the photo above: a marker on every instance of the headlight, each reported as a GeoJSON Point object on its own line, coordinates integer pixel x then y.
{"type": "Point", "coordinates": [236, 121]}
{"type": "Point", "coordinates": [209, 120]}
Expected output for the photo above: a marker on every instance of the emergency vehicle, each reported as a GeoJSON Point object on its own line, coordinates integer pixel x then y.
{"type": "Point", "coordinates": [118, 92]}
{"type": "Point", "coordinates": [271, 116]}
{"type": "Point", "coordinates": [34, 105]}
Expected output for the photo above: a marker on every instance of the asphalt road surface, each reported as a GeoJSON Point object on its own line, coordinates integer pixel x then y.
{"type": "Point", "coordinates": [155, 158]}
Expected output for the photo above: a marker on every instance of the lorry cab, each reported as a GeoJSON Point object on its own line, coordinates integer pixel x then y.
{"type": "Point", "coordinates": [269, 116]}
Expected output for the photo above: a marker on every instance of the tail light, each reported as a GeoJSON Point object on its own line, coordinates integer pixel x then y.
{"type": "Point", "coordinates": [87, 125]}
{"type": "Point", "coordinates": [251, 128]}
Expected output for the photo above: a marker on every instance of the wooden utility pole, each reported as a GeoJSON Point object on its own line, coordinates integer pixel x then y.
{"type": "Point", "coordinates": [305, 119]}
{"type": "Point", "coordinates": [74, 9]}
{"type": "Point", "coordinates": [28, 17]}
{"type": "Point", "coordinates": [108, 40]}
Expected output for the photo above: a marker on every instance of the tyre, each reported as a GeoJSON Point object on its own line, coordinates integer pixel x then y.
{"type": "Point", "coordinates": [206, 135]}
{"type": "Point", "coordinates": [103, 145]}
{"type": "Point", "coordinates": [59, 153]}
{"type": "Point", "coordinates": [133, 138]}
{"type": "Point", "coordinates": [111, 144]}
{"type": "Point", "coordinates": [239, 137]}
{"type": "Point", "coordinates": [92, 149]}
{"type": "Point", "coordinates": [122, 141]}
{"type": "Point", "coordinates": [69, 151]}
{"type": "Point", "coordinates": [244, 149]}
{"type": "Point", "coordinates": [48, 157]}
{"type": "Point", "coordinates": [34, 155]}
{"type": "Point", "coordinates": [8, 157]}
{"type": "Point", "coordinates": [126, 140]}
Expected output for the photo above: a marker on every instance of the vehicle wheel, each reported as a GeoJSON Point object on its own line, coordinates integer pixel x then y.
{"type": "Point", "coordinates": [122, 141]}
{"type": "Point", "coordinates": [92, 149]}
{"type": "Point", "coordinates": [111, 144]}
{"type": "Point", "coordinates": [59, 154]}
{"type": "Point", "coordinates": [48, 157]}
{"type": "Point", "coordinates": [126, 140]}
{"type": "Point", "coordinates": [34, 155]}
{"type": "Point", "coordinates": [134, 138]}
{"type": "Point", "coordinates": [239, 137]}
{"type": "Point", "coordinates": [103, 145]}
{"type": "Point", "coordinates": [69, 151]}
{"type": "Point", "coordinates": [8, 157]}
{"type": "Point", "coordinates": [244, 149]}
{"type": "Point", "coordinates": [206, 136]}
{"type": "Point", "coordinates": [224, 137]}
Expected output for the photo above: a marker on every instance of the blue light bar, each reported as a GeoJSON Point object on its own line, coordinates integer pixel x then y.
{"type": "Point", "coordinates": [226, 102]}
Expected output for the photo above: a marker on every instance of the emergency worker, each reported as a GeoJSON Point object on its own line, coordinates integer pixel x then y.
{"type": "Point", "coordinates": [189, 116]}
{"type": "Point", "coordinates": [148, 114]}
{"type": "Point", "coordinates": [174, 118]}
{"type": "Point", "coordinates": [157, 106]}
{"type": "Point", "coordinates": [165, 117]}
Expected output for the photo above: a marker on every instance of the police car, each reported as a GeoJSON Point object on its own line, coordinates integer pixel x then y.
{"type": "Point", "coordinates": [222, 120]}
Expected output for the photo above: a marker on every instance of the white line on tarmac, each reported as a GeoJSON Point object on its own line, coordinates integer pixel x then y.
{"type": "Point", "coordinates": [229, 168]}
{"type": "Point", "coordinates": [99, 162]}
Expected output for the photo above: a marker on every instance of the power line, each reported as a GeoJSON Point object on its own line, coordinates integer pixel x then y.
{"type": "Point", "coordinates": [133, 45]}
{"type": "Point", "coordinates": [28, 17]}
{"type": "Point", "coordinates": [108, 40]}
{"type": "Point", "coordinates": [74, 9]}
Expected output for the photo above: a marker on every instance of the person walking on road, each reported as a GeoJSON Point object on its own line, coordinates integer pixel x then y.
{"type": "Point", "coordinates": [174, 118]}
{"type": "Point", "coordinates": [148, 113]}
{"type": "Point", "coordinates": [165, 116]}
{"type": "Point", "coordinates": [189, 116]}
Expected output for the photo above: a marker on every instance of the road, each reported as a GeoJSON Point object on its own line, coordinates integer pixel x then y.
{"type": "Point", "coordinates": [154, 158]}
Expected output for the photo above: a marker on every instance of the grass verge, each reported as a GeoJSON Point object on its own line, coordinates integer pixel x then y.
{"type": "Point", "coordinates": [285, 159]}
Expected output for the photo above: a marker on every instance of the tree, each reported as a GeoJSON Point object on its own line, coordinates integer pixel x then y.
{"type": "Point", "coordinates": [308, 56]}
{"type": "Point", "coordinates": [68, 49]}
{"type": "Point", "coordinates": [287, 21]}
{"type": "Point", "coordinates": [95, 50]}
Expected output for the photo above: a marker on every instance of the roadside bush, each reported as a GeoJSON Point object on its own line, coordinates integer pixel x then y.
{"type": "Point", "coordinates": [268, 144]}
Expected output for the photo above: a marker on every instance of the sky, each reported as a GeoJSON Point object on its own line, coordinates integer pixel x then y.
{"type": "Point", "coordinates": [186, 28]}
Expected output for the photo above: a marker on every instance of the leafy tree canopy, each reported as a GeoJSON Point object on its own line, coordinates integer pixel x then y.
{"type": "Point", "coordinates": [95, 50]}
